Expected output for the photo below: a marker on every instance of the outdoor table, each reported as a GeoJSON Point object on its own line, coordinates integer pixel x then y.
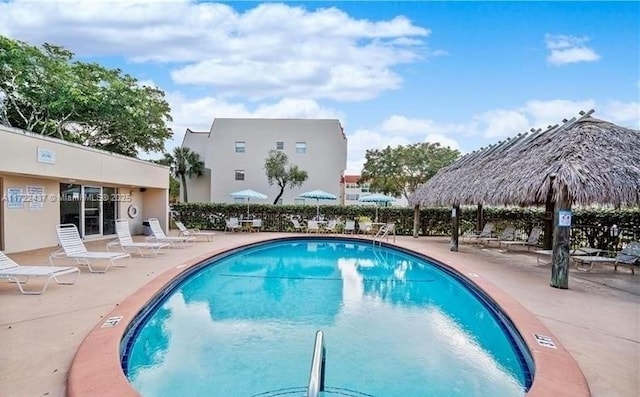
{"type": "Point", "coordinates": [246, 224]}
{"type": "Point", "coordinates": [375, 227]}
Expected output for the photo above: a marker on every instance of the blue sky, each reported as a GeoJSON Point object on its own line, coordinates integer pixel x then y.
{"type": "Point", "coordinates": [466, 74]}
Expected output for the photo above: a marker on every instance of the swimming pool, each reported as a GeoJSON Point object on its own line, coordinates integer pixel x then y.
{"type": "Point", "coordinates": [395, 325]}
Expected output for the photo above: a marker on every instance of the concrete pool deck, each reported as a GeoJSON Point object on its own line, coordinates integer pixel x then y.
{"type": "Point", "coordinates": [597, 320]}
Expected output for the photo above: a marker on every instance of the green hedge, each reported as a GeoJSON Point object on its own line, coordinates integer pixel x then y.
{"type": "Point", "coordinates": [591, 227]}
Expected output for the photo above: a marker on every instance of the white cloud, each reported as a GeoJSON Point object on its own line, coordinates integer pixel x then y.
{"type": "Point", "coordinates": [623, 113]}
{"type": "Point", "coordinates": [569, 49]}
{"type": "Point", "coordinates": [270, 51]}
{"type": "Point", "coordinates": [362, 140]}
{"type": "Point", "coordinates": [499, 123]}
{"type": "Point", "coordinates": [551, 112]}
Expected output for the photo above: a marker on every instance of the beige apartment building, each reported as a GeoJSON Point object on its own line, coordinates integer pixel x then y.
{"type": "Point", "coordinates": [46, 181]}
{"type": "Point", "coordinates": [234, 152]}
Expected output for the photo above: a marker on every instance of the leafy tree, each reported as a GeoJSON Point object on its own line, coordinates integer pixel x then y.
{"type": "Point", "coordinates": [280, 172]}
{"type": "Point", "coordinates": [184, 163]}
{"type": "Point", "coordinates": [400, 170]}
{"type": "Point", "coordinates": [174, 189]}
{"type": "Point", "coordinates": [43, 90]}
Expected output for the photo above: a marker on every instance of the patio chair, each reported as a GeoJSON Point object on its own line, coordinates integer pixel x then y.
{"type": "Point", "coordinates": [232, 224]}
{"type": "Point", "coordinates": [365, 227]}
{"type": "Point", "coordinates": [20, 275]}
{"type": "Point", "coordinates": [531, 241]}
{"type": "Point", "coordinates": [507, 234]}
{"type": "Point", "coordinates": [331, 226]}
{"type": "Point", "coordinates": [125, 241]}
{"type": "Point", "coordinates": [629, 256]}
{"type": "Point", "coordinates": [256, 225]}
{"type": "Point", "coordinates": [487, 232]}
{"type": "Point", "coordinates": [159, 236]}
{"type": "Point", "coordinates": [184, 231]}
{"type": "Point", "coordinates": [313, 226]}
{"type": "Point", "coordinates": [349, 227]}
{"type": "Point", "coordinates": [74, 248]}
{"type": "Point", "coordinates": [297, 226]}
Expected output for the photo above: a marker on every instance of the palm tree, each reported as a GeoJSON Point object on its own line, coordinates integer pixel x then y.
{"type": "Point", "coordinates": [184, 163]}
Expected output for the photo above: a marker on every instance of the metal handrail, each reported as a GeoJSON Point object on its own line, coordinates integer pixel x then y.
{"type": "Point", "coordinates": [383, 232]}
{"type": "Point", "coordinates": [316, 374]}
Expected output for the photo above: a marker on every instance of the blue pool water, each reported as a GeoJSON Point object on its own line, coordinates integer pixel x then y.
{"type": "Point", "coordinates": [394, 325]}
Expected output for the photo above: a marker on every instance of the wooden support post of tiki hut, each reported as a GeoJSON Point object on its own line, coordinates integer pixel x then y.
{"type": "Point", "coordinates": [455, 223]}
{"type": "Point", "coordinates": [416, 220]}
{"type": "Point", "coordinates": [547, 242]}
{"type": "Point", "coordinates": [561, 241]}
{"type": "Point", "coordinates": [479, 219]}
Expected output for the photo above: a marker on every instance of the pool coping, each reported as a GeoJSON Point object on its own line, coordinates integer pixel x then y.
{"type": "Point", "coordinates": [96, 366]}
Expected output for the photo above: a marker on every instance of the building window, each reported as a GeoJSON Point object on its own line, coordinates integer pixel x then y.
{"type": "Point", "coordinates": [301, 147]}
{"type": "Point", "coordinates": [239, 175]}
{"type": "Point", "coordinates": [279, 145]}
{"type": "Point", "coordinates": [240, 147]}
{"type": "Point", "coordinates": [353, 197]}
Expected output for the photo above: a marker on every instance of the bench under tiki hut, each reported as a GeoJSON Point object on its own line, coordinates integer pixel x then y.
{"type": "Point", "coordinates": [582, 161]}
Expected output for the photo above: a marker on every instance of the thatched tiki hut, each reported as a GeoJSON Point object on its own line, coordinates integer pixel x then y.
{"type": "Point", "coordinates": [582, 161]}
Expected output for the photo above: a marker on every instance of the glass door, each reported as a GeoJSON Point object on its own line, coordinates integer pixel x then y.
{"type": "Point", "coordinates": [70, 204]}
{"type": "Point", "coordinates": [109, 210]}
{"type": "Point", "coordinates": [92, 211]}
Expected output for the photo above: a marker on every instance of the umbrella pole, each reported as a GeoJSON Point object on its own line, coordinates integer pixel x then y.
{"type": "Point", "coordinates": [248, 199]}
{"type": "Point", "coordinates": [317, 209]}
{"type": "Point", "coordinates": [376, 212]}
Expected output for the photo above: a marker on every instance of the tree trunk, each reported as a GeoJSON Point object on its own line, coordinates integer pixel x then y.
{"type": "Point", "coordinates": [416, 220]}
{"type": "Point", "coordinates": [279, 195]}
{"type": "Point", "coordinates": [479, 219]}
{"type": "Point", "coordinates": [561, 241]}
{"type": "Point", "coordinates": [455, 223]}
{"type": "Point", "coordinates": [183, 179]}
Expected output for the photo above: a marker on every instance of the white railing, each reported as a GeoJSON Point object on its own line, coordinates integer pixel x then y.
{"type": "Point", "coordinates": [316, 374]}
{"type": "Point", "coordinates": [384, 232]}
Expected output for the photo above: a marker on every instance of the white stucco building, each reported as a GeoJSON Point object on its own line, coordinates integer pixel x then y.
{"type": "Point", "coordinates": [46, 181]}
{"type": "Point", "coordinates": [234, 152]}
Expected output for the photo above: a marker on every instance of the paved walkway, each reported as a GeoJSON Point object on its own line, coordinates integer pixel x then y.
{"type": "Point", "coordinates": [597, 319]}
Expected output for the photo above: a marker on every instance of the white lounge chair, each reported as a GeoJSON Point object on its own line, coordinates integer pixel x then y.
{"type": "Point", "coordinates": [629, 256]}
{"type": "Point", "coordinates": [507, 234]}
{"type": "Point", "coordinates": [159, 236]}
{"type": "Point", "coordinates": [184, 231]}
{"type": "Point", "coordinates": [20, 275]}
{"type": "Point", "coordinates": [126, 243]}
{"type": "Point", "coordinates": [531, 241]}
{"type": "Point", "coordinates": [297, 226]}
{"type": "Point", "coordinates": [486, 232]}
{"type": "Point", "coordinates": [73, 248]}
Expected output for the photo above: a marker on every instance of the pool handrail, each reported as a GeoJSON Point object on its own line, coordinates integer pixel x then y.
{"type": "Point", "coordinates": [316, 374]}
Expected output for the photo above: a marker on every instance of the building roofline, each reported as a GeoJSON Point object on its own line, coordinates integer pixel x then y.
{"type": "Point", "coordinates": [19, 131]}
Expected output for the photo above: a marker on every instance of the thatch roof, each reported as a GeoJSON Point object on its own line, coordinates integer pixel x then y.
{"type": "Point", "coordinates": [598, 162]}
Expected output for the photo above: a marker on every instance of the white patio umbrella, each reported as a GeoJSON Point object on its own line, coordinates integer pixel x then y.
{"type": "Point", "coordinates": [248, 194]}
{"type": "Point", "coordinates": [318, 195]}
{"type": "Point", "coordinates": [376, 198]}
